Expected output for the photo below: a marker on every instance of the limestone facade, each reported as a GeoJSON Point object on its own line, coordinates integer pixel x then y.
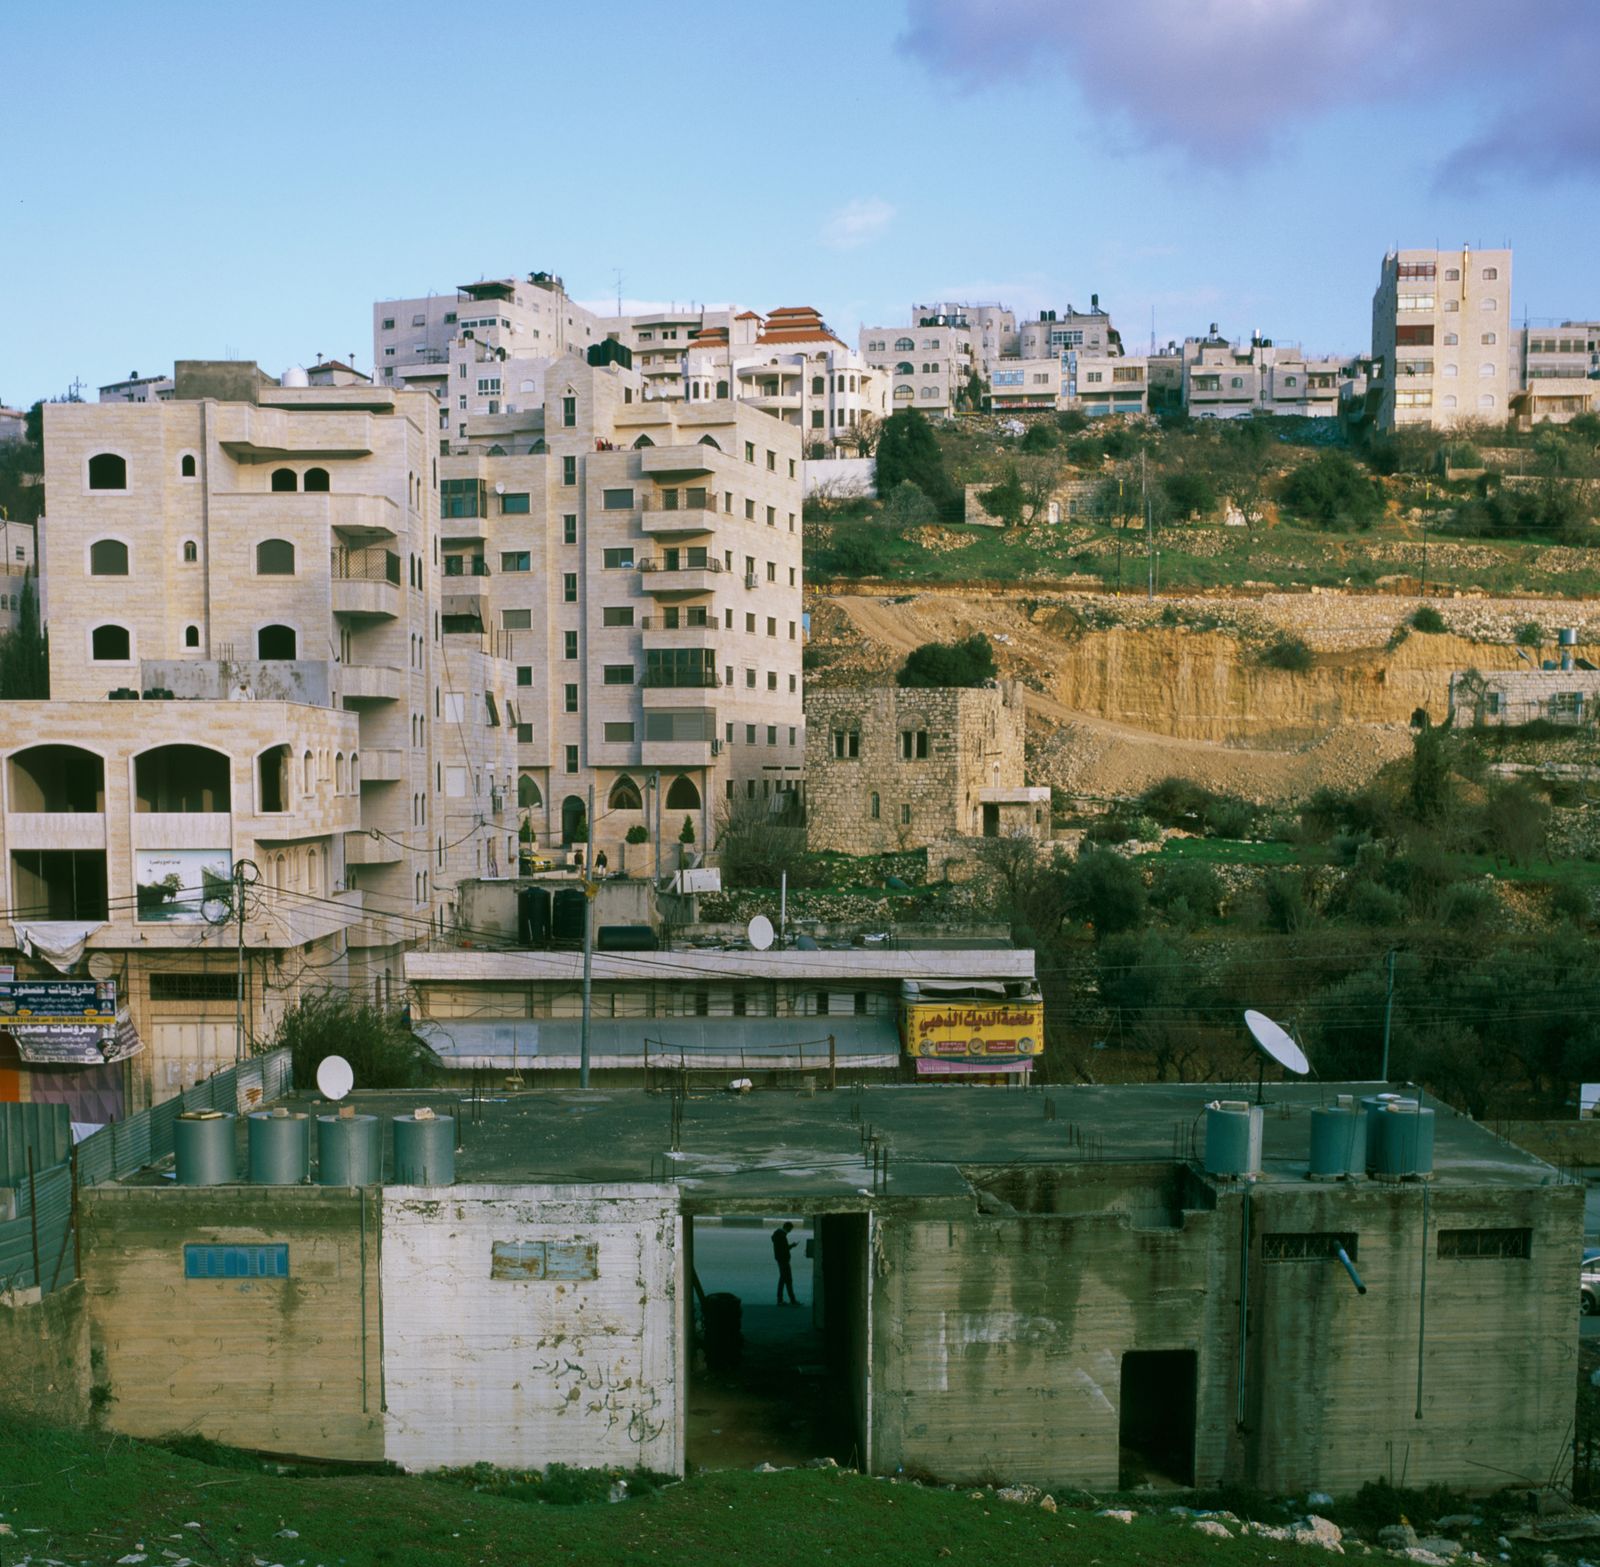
{"type": "Point", "coordinates": [893, 768]}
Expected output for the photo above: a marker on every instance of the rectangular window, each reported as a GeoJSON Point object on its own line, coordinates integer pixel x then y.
{"type": "Point", "coordinates": [619, 734]}
{"type": "Point", "coordinates": [617, 500]}
{"type": "Point", "coordinates": [516, 619]}
{"type": "Point", "coordinates": [1511, 1245]}
{"type": "Point", "coordinates": [569, 412]}
{"type": "Point", "coordinates": [791, 726]}
{"type": "Point", "coordinates": [749, 511]}
{"type": "Point", "coordinates": [571, 759]}
{"type": "Point", "coordinates": [1306, 1246]}
{"type": "Point", "coordinates": [619, 559]}
{"type": "Point", "coordinates": [455, 707]}
{"type": "Point", "coordinates": [619, 674]}
{"type": "Point", "coordinates": [750, 623]}
{"type": "Point", "coordinates": [569, 587]}
{"type": "Point", "coordinates": [524, 674]}
{"type": "Point", "coordinates": [772, 462]}
{"type": "Point", "coordinates": [514, 504]}
{"type": "Point", "coordinates": [236, 1262]}
{"type": "Point", "coordinates": [772, 734]}
{"type": "Point", "coordinates": [514, 560]}
{"type": "Point", "coordinates": [749, 734]}
{"type": "Point", "coordinates": [569, 470]}
{"type": "Point", "coordinates": [463, 498]}
{"type": "Point", "coordinates": [569, 530]}
{"type": "Point", "coordinates": [772, 625]}
{"type": "Point", "coordinates": [455, 782]}
{"type": "Point", "coordinates": [750, 679]}
{"type": "Point", "coordinates": [617, 615]}
{"type": "Point", "coordinates": [569, 699]}
{"type": "Point", "coordinates": [905, 815]}
{"type": "Point", "coordinates": [569, 644]}
{"type": "Point", "coordinates": [488, 386]}
{"type": "Point", "coordinates": [846, 744]}
{"type": "Point", "coordinates": [524, 734]}
{"type": "Point", "coordinates": [749, 451]}
{"type": "Point", "coordinates": [914, 745]}
{"type": "Point", "coordinates": [193, 987]}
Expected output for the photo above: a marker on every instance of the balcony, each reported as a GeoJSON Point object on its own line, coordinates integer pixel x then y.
{"type": "Point", "coordinates": [182, 830]}
{"type": "Point", "coordinates": [371, 683]}
{"type": "Point", "coordinates": [366, 582]}
{"type": "Point", "coordinates": [362, 848]}
{"type": "Point", "coordinates": [664, 581]}
{"type": "Point", "coordinates": [655, 635]}
{"type": "Point", "coordinates": [358, 518]}
{"type": "Point", "coordinates": [681, 524]}
{"type": "Point", "coordinates": [698, 458]}
{"type": "Point", "coordinates": [383, 765]}
{"type": "Point", "coordinates": [55, 829]}
{"type": "Point", "coordinates": [677, 753]}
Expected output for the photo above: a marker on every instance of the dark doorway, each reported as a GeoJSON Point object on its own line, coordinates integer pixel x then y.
{"type": "Point", "coordinates": [991, 821]}
{"type": "Point", "coordinates": [770, 1383]}
{"type": "Point", "coordinates": [1156, 1424]}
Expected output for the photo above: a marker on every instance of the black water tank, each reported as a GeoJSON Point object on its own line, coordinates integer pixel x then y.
{"type": "Point", "coordinates": [626, 938]}
{"type": "Point", "coordinates": [533, 916]}
{"type": "Point", "coordinates": [567, 918]}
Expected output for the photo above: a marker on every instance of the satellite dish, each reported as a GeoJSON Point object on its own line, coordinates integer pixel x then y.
{"type": "Point", "coordinates": [101, 965]}
{"type": "Point", "coordinates": [500, 487]}
{"type": "Point", "coordinates": [1275, 1043]}
{"type": "Point", "coordinates": [759, 930]}
{"type": "Point", "coordinates": [334, 1077]}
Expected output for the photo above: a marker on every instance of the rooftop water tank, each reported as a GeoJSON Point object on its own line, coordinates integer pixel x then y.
{"type": "Point", "coordinates": [569, 914]}
{"type": "Point", "coordinates": [1371, 1105]}
{"type": "Point", "coordinates": [280, 1148]}
{"type": "Point", "coordinates": [1337, 1140]}
{"type": "Point", "coordinates": [295, 375]}
{"type": "Point", "coordinates": [1405, 1140]}
{"type": "Point", "coordinates": [349, 1150]}
{"type": "Point", "coordinates": [205, 1148]}
{"type": "Point", "coordinates": [1233, 1138]}
{"type": "Point", "coordinates": [424, 1149]}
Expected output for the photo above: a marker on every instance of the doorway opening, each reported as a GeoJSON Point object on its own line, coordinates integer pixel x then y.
{"type": "Point", "coordinates": [1155, 1433]}
{"type": "Point", "coordinates": [768, 1382]}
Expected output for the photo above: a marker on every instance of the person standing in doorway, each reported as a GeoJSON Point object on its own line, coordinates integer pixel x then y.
{"type": "Point", "coordinates": [781, 1247]}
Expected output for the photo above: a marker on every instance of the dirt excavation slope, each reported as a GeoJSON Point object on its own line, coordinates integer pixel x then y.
{"type": "Point", "coordinates": [1124, 692]}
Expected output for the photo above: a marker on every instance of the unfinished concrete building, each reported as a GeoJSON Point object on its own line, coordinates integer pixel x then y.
{"type": "Point", "coordinates": [893, 767]}
{"type": "Point", "coordinates": [1076, 1287]}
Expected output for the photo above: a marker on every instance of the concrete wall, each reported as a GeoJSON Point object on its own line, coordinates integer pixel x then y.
{"type": "Point", "coordinates": [44, 1348]}
{"type": "Point", "coordinates": [289, 1365]}
{"type": "Point", "coordinates": [527, 1371]}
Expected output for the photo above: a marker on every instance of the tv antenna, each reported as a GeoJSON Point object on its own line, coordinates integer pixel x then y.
{"type": "Point", "coordinates": [1273, 1044]}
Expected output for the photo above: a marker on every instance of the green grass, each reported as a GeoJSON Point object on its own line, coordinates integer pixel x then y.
{"type": "Point", "coordinates": [73, 1496]}
{"type": "Point", "coordinates": [1228, 851]}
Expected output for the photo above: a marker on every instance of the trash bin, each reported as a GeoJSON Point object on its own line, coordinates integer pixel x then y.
{"type": "Point", "coordinates": [724, 1334]}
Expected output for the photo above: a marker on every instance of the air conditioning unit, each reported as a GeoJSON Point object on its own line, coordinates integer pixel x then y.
{"type": "Point", "coordinates": [749, 579]}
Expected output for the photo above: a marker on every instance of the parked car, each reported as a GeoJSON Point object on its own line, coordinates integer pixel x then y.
{"type": "Point", "coordinates": [1589, 1288]}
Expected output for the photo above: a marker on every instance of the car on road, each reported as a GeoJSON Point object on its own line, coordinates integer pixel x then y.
{"type": "Point", "coordinates": [1589, 1288]}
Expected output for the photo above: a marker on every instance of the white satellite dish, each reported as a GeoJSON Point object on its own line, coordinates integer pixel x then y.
{"type": "Point", "coordinates": [759, 930]}
{"type": "Point", "coordinates": [334, 1077]}
{"type": "Point", "coordinates": [500, 488]}
{"type": "Point", "coordinates": [101, 965]}
{"type": "Point", "coordinates": [1275, 1043]}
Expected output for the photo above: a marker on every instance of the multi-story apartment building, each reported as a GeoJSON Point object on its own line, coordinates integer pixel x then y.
{"type": "Point", "coordinates": [639, 558]}
{"type": "Point", "coordinates": [930, 363]}
{"type": "Point", "coordinates": [261, 563]}
{"type": "Point", "coordinates": [1442, 339]}
{"type": "Point", "coordinates": [1225, 380]}
{"type": "Point", "coordinates": [1055, 332]}
{"type": "Point", "coordinates": [993, 327]}
{"type": "Point", "coordinates": [1559, 372]}
{"type": "Point", "coordinates": [1100, 383]}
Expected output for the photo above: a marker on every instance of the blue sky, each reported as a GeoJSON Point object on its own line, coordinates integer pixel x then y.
{"type": "Point", "coordinates": [193, 180]}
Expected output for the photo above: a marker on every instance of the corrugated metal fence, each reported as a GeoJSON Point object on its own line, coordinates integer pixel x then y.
{"type": "Point", "coordinates": [37, 1247]}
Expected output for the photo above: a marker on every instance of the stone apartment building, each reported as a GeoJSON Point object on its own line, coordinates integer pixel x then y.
{"type": "Point", "coordinates": [930, 362]}
{"type": "Point", "coordinates": [639, 562]}
{"type": "Point", "coordinates": [1442, 339]}
{"type": "Point", "coordinates": [250, 573]}
{"type": "Point", "coordinates": [138, 389]}
{"type": "Point", "coordinates": [1559, 372]}
{"type": "Point", "coordinates": [891, 767]}
{"type": "Point", "coordinates": [1226, 380]}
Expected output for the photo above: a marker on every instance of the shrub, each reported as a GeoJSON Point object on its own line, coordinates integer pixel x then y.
{"type": "Point", "coordinates": [1038, 438]}
{"type": "Point", "coordinates": [1373, 906]}
{"type": "Point", "coordinates": [966, 663]}
{"type": "Point", "coordinates": [378, 1044]}
{"type": "Point", "coordinates": [908, 507]}
{"type": "Point", "coordinates": [638, 833]}
{"type": "Point", "coordinates": [1187, 893]}
{"type": "Point", "coordinates": [1469, 909]}
{"type": "Point", "coordinates": [1529, 634]}
{"type": "Point", "coordinates": [686, 832]}
{"type": "Point", "coordinates": [1289, 653]}
{"type": "Point", "coordinates": [1072, 422]}
{"type": "Point", "coordinates": [1427, 619]}
{"type": "Point", "coordinates": [1105, 891]}
{"type": "Point", "coordinates": [1191, 494]}
{"type": "Point", "coordinates": [1332, 491]}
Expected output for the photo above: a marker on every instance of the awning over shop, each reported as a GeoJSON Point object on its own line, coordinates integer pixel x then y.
{"type": "Point", "coordinates": [551, 1044]}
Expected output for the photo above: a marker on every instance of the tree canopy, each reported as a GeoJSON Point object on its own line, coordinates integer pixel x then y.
{"type": "Point", "coordinates": [966, 663]}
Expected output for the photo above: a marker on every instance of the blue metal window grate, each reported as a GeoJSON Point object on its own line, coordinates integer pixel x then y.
{"type": "Point", "coordinates": [236, 1262]}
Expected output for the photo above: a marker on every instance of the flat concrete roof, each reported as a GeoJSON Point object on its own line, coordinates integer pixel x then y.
{"type": "Point", "coordinates": [786, 1151]}
{"type": "Point", "coordinates": [691, 964]}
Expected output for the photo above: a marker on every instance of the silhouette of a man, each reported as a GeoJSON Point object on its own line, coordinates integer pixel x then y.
{"type": "Point", "coordinates": [781, 1247]}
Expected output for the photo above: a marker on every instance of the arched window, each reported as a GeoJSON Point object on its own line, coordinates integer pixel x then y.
{"type": "Point", "coordinates": [340, 782]}
{"type": "Point", "coordinates": [705, 440]}
{"type": "Point", "coordinates": [624, 795]}
{"type": "Point", "coordinates": [904, 345]}
{"type": "Point", "coordinates": [274, 558]}
{"type": "Point", "coordinates": [355, 771]}
{"type": "Point", "coordinates": [904, 394]}
{"type": "Point", "coordinates": [818, 386]}
{"type": "Point", "coordinates": [280, 872]}
{"type": "Point", "coordinates": [181, 778]}
{"type": "Point", "coordinates": [107, 471]}
{"type": "Point", "coordinates": [308, 774]}
{"type": "Point", "coordinates": [275, 642]}
{"type": "Point", "coordinates": [683, 795]}
{"type": "Point", "coordinates": [62, 778]}
{"type": "Point", "coordinates": [191, 552]}
{"type": "Point", "coordinates": [313, 872]}
{"type": "Point", "coordinates": [284, 481]}
{"type": "Point", "coordinates": [186, 466]}
{"type": "Point", "coordinates": [191, 636]}
{"type": "Point", "coordinates": [274, 775]}
{"type": "Point", "coordinates": [1449, 372]}
{"type": "Point", "coordinates": [722, 392]}
{"type": "Point", "coordinates": [905, 367]}
{"type": "Point", "coordinates": [110, 644]}
{"type": "Point", "coordinates": [1486, 368]}
{"type": "Point", "coordinates": [642, 442]}
{"type": "Point", "coordinates": [108, 558]}
{"type": "Point", "coordinates": [574, 820]}
{"type": "Point", "coordinates": [316, 481]}
{"type": "Point", "coordinates": [528, 794]}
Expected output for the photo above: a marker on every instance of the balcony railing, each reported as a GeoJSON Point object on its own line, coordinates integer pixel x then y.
{"type": "Point", "coordinates": [709, 564]}
{"type": "Point", "coordinates": [682, 679]}
{"type": "Point", "coordinates": [469, 566]}
{"type": "Point", "coordinates": [366, 565]}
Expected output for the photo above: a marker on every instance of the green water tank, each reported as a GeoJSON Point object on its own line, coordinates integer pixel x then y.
{"type": "Point", "coordinates": [280, 1148]}
{"type": "Point", "coordinates": [349, 1150]}
{"type": "Point", "coordinates": [424, 1150]}
{"type": "Point", "coordinates": [205, 1147]}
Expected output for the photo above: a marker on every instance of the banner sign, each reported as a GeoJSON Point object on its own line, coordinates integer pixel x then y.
{"type": "Point", "coordinates": [59, 1002]}
{"type": "Point", "coordinates": [979, 1035]}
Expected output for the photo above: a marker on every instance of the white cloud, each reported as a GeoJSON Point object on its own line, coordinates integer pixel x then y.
{"type": "Point", "coordinates": [857, 223]}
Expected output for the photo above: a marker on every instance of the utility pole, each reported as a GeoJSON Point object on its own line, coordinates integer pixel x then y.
{"type": "Point", "coordinates": [1149, 532]}
{"type": "Point", "coordinates": [1388, 1015]}
{"type": "Point", "coordinates": [590, 889]}
{"type": "Point", "coordinates": [245, 874]}
{"type": "Point", "coordinates": [1122, 525]}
